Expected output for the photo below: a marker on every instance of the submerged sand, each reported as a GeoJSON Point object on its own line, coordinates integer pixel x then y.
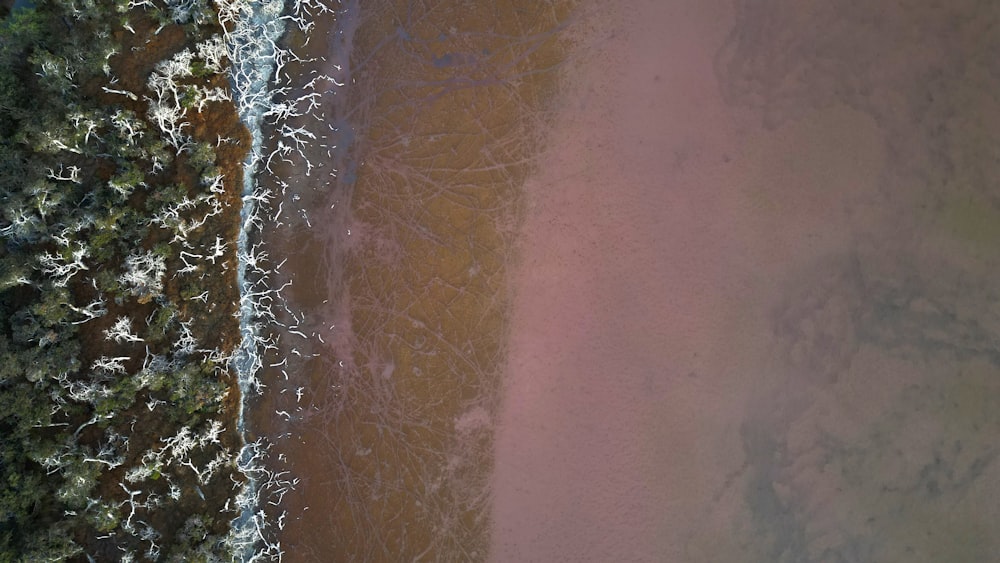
{"type": "Point", "coordinates": [753, 314]}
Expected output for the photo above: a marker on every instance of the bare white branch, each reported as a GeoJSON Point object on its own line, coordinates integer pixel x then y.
{"type": "Point", "coordinates": [121, 331]}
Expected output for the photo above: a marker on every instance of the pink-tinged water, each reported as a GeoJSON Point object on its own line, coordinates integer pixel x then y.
{"type": "Point", "coordinates": [722, 333]}
{"type": "Point", "coordinates": [672, 280]}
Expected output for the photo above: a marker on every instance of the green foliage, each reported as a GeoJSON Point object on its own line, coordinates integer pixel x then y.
{"type": "Point", "coordinates": [21, 490]}
{"type": "Point", "coordinates": [191, 290]}
{"type": "Point", "coordinates": [53, 307]}
{"type": "Point", "coordinates": [126, 179]}
{"type": "Point", "coordinates": [73, 174]}
{"type": "Point", "coordinates": [120, 398]}
{"type": "Point", "coordinates": [21, 34]}
{"type": "Point", "coordinates": [165, 196]}
{"type": "Point", "coordinates": [13, 272]}
{"type": "Point", "coordinates": [163, 319]}
{"type": "Point", "coordinates": [194, 389]}
{"type": "Point", "coordinates": [103, 244]}
{"type": "Point", "coordinates": [104, 517]}
{"type": "Point", "coordinates": [24, 488]}
{"type": "Point", "coordinates": [79, 480]}
{"type": "Point", "coordinates": [202, 157]}
{"type": "Point", "coordinates": [134, 224]}
{"type": "Point", "coordinates": [194, 544]}
{"type": "Point", "coordinates": [189, 97]}
{"type": "Point", "coordinates": [52, 543]}
{"type": "Point", "coordinates": [200, 70]}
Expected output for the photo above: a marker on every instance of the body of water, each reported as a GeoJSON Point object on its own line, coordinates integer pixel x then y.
{"type": "Point", "coordinates": [688, 281]}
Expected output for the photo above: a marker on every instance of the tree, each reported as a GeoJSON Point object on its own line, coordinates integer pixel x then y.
{"type": "Point", "coordinates": [126, 179]}
{"type": "Point", "coordinates": [79, 480]}
{"type": "Point", "coordinates": [63, 266]}
{"type": "Point", "coordinates": [143, 275]}
{"type": "Point", "coordinates": [121, 331]}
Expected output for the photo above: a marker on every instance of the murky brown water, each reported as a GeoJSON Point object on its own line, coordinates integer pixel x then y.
{"type": "Point", "coordinates": [403, 274]}
{"type": "Point", "coordinates": [678, 281]}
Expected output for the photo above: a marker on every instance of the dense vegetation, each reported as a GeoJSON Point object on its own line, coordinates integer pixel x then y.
{"type": "Point", "coordinates": [119, 183]}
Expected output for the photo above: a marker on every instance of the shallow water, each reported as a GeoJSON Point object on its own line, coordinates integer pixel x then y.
{"type": "Point", "coordinates": [688, 281]}
{"type": "Point", "coordinates": [402, 275]}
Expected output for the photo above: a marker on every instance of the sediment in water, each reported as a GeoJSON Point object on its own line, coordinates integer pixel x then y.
{"type": "Point", "coordinates": [751, 321]}
{"type": "Point", "coordinates": [398, 262]}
